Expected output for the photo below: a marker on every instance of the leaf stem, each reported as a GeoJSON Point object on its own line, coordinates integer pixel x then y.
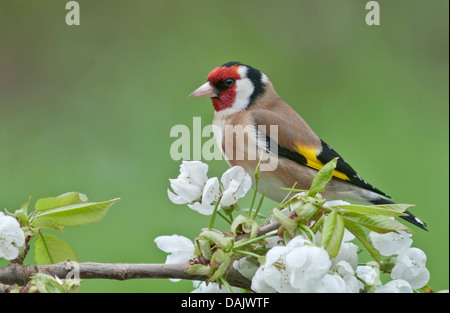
{"type": "Point", "coordinates": [227, 285]}
{"type": "Point", "coordinates": [245, 243]}
{"type": "Point", "coordinates": [248, 253]}
{"type": "Point", "coordinates": [259, 205]}
{"type": "Point", "coordinates": [213, 217]}
{"type": "Point", "coordinates": [224, 217]}
{"type": "Point", "coordinates": [256, 174]}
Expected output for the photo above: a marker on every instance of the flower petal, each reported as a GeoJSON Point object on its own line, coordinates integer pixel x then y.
{"type": "Point", "coordinates": [175, 198]}
{"type": "Point", "coordinates": [203, 208]}
{"type": "Point", "coordinates": [395, 286]}
{"type": "Point", "coordinates": [186, 190]}
{"type": "Point", "coordinates": [236, 183]}
{"type": "Point", "coordinates": [236, 173]}
{"type": "Point", "coordinates": [11, 237]}
{"type": "Point", "coordinates": [259, 283]}
{"type": "Point", "coordinates": [195, 171]}
{"type": "Point", "coordinates": [410, 266]}
{"type": "Point", "coordinates": [211, 192]}
{"type": "Point", "coordinates": [180, 248]}
{"type": "Point", "coordinates": [391, 243]}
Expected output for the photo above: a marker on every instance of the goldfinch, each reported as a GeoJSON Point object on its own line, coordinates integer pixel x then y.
{"type": "Point", "coordinates": [243, 96]}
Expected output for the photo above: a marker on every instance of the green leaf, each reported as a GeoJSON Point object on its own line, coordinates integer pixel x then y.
{"type": "Point", "coordinates": [306, 207]}
{"type": "Point", "coordinates": [22, 213]}
{"type": "Point", "coordinates": [49, 249]}
{"type": "Point", "coordinates": [76, 214]}
{"type": "Point", "coordinates": [288, 224]}
{"type": "Point", "coordinates": [24, 207]}
{"type": "Point", "coordinates": [47, 224]}
{"type": "Point", "coordinates": [43, 283]}
{"type": "Point", "coordinates": [200, 269]}
{"type": "Point", "coordinates": [244, 224]}
{"type": "Point", "coordinates": [377, 223]}
{"type": "Point", "coordinates": [223, 268]}
{"type": "Point", "coordinates": [385, 210]}
{"type": "Point", "coordinates": [332, 233]}
{"type": "Point", "coordinates": [361, 235]}
{"type": "Point", "coordinates": [59, 201]}
{"type": "Point", "coordinates": [204, 248]}
{"type": "Point", "coordinates": [322, 178]}
{"type": "Point", "coordinates": [218, 238]}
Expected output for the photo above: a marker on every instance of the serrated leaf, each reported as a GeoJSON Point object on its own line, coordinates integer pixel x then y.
{"type": "Point", "coordinates": [377, 223]}
{"type": "Point", "coordinates": [322, 178]}
{"type": "Point", "coordinates": [49, 249]}
{"type": "Point", "coordinates": [59, 201]}
{"type": "Point", "coordinates": [401, 207]}
{"type": "Point", "coordinates": [361, 235]}
{"type": "Point", "coordinates": [82, 196]}
{"type": "Point", "coordinates": [47, 224]}
{"type": "Point", "coordinates": [385, 210]}
{"type": "Point", "coordinates": [332, 233]}
{"type": "Point", "coordinates": [76, 214]}
{"type": "Point", "coordinates": [25, 206]}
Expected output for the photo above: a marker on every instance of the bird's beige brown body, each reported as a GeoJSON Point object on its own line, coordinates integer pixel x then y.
{"type": "Point", "coordinates": [293, 131]}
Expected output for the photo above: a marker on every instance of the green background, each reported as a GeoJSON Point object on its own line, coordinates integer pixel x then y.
{"type": "Point", "coordinates": [89, 108]}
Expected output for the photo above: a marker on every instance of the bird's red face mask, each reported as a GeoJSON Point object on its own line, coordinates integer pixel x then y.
{"type": "Point", "coordinates": [220, 86]}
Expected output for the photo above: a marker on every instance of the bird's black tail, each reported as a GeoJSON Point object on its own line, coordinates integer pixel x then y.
{"type": "Point", "coordinates": [410, 217]}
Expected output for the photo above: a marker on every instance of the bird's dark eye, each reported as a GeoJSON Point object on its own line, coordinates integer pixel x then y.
{"type": "Point", "coordinates": [229, 82]}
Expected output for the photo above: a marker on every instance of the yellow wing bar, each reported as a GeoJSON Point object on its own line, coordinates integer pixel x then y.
{"type": "Point", "coordinates": [311, 160]}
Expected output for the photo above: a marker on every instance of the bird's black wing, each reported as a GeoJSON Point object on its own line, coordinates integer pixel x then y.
{"type": "Point", "coordinates": [316, 159]}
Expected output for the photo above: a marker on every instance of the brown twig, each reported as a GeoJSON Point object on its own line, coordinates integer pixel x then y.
{"type": "Point", "coordinates": [18, 274]}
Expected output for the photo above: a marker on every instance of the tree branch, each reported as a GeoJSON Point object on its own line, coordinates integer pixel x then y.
{"type": "Point", "coordinates": [20, 275]}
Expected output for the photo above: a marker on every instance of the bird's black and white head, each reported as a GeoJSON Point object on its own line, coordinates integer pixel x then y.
{"type": "Point", "coordinates": [232, 87]}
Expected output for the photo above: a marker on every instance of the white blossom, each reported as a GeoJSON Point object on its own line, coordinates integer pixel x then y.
{"type": "Point", "coordinates": [192, 187]}
{"type": "Point", "coordinates": [395, 286]}
{"type": "Point", "coordinates": [342, 279]}
{"type": "Point", "coordinates": [210, 195]}
{"type": "Point", "coordinates": [346, 271]}
{"type": "Point", "coordinates": [202, 287]}
{"type": "Point", "coordinates": [330, 283]}
{"type": "Point", "coordinates": [410, 266]}
{"type": "Point", "coordinates": [259, 283]}
{"type": "Point", "coordinates": [274, 271]}
{"type": "Point", "coordinates": [348, 236]}
{"type": "Point", "coordinates": [306, 265]}
{"type": "Point", "coordinates": [348, 252]}
{"type": "Point", "coordinates": [236, 183]}
{"type": "Point", "coordinates": [245, 267]}
{"type": "Point", "coordinates": [295, 267]}
{"type": "Point", "coordinates": [391, 243]}
{"type": "Point", "coordinates": [11, 237]}
{"type": "Point", "coordinates": [369, 274]}
{"type": "Point", "coordinates": [180, 249]}
{"type": "Point", "coordinates": [188, 186]}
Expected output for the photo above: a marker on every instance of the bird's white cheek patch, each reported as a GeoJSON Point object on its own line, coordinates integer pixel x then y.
{"type": "Point", "coordinates": [244, 89]}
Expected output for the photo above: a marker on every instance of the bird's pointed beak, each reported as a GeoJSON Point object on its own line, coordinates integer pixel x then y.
{"type": "Point", "coordinates": [205, 90]}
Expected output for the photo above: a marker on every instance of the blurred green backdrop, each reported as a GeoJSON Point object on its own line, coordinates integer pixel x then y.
{"type": "Point", "coordinates": [89, 108]}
